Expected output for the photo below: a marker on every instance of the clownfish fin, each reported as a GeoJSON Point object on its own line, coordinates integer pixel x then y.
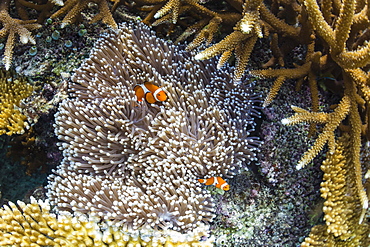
{"type": "Point", "coordinates": [139, 92]}
{"type": "Point", "coordinates": [150, 98]}
{"type": "Point", "coordinates": [150, 86]}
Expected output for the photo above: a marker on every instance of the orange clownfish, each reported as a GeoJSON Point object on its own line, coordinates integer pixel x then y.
{"type": "Point", "coordinates": [216, 181]}
{"type": "Point", "coordinates": [150, 92]}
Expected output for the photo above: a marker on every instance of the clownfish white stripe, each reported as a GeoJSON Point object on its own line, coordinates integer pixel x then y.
{"type": "Point", "coordinates": [150, 92]}
{"type": "Point", "coordinates": [156, 93]}
{"type": "Point", "coordinates": [218, 182]}
{"type": "Point", "coordinates": [223, 186]}
{"type": "Point", "coordinates": [145, 89]}
{"type": "Point", "coordinates": [215, 181]}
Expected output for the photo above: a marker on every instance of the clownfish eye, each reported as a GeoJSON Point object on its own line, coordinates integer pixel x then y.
{"type": "Point", "coordinates": [161, 96]}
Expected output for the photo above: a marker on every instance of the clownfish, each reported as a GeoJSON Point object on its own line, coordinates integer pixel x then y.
{"type": "Point", "coordinates": [216, 181]}
{"type": "Point", "coordinates": [150, 92]}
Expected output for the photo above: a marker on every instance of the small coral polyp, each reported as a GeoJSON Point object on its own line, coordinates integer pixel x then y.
{"type": "Point", "coordinates": [136, 164]}
{"type": "Point", "coordinates": [13, 89]}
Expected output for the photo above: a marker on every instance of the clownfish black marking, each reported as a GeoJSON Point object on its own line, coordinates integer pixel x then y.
{"type": "Point", "coordinates": [150, 92]}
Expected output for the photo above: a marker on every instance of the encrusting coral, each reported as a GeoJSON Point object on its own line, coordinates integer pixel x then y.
{"type": "Point", "coordinates": [34, 225]}
{"type": "Point", "coordinates": [137, 164]}
{"type": "Point", "coordinates": [13, 89]}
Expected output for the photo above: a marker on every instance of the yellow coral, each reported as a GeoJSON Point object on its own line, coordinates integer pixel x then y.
{"type": "Point", "coordinates": [34, 225]}
{"type": "Point", "coordinates": [282, 75]}
{"type": "Point", "coordinates": [334, 190]}
{"type": "Point", "coordinates": [12, 91]}
{"type": "Point", "coordinates": [342, 209]}
{"type": "Point", "coordinates": [241, 41]}
{"type": "Point", "coordinates": [331, 121]}
{"type": "Point", "coordinates": [12, 27]}
{"type": "Point", "coordinates": [72, 10]}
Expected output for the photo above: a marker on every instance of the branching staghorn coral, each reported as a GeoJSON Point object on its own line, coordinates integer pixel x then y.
{"type": "Point", "coordinates": [207, 23]}
{"type": "Point", "coordinates": [13, 89]}
{"type": "Point", "coordinates": [344, 57]}
{"type": "Point", "coordinates": [43, 7]}
{"type": "Point", "coordinates": [336, 39]}
{"type": "Point", "coordinates": [34, 225]}
{"type": "Point", "coordinates": [11, 28]}
{"type": "Point", "coordinates": [331, 121]}
{"type": "Point", "coordinates": [137, 164]}
{"type": "Point", "coordinates": [281, 76]}
{"type": "Point", "coordinates": [241, 41]}
{"type": "Point", "coordinates": [72, 10]}
{"type": "Point", "coordinates": [250, 20]}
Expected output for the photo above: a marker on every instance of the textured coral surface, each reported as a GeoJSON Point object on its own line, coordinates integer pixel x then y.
{"type": "Point", "coordinates": [319, 47]}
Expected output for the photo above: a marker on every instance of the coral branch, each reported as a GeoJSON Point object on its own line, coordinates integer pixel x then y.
{"type": "Point", "coordinates": [11, 27]}
{"type": "Point", "coordinates": [331, 121]}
